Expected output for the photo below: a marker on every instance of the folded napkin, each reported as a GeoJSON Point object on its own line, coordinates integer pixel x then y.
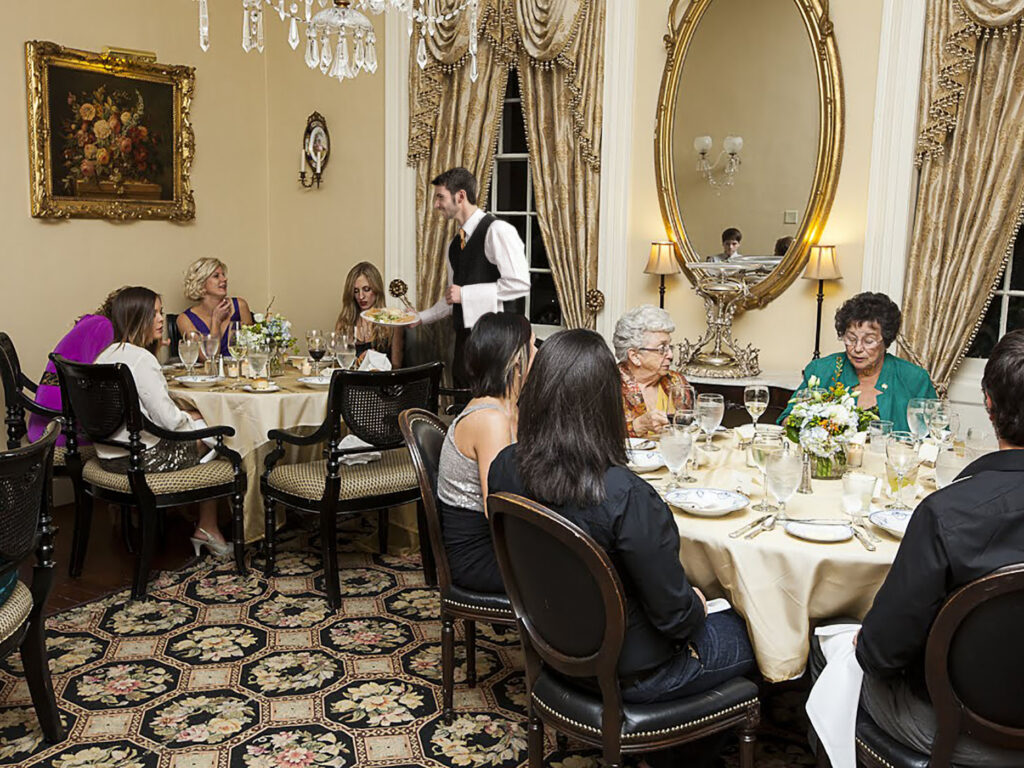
{"type": "Point", "coordinates": [374, 361]}
{"type": "Point", "coordinates": [744, 432]}
{"type": "Point", "coordinates": [731, 480]}
{"type": "Point", "coordinates": [351, 441]}
{"type": "Point", "coordinates": [832, 703]}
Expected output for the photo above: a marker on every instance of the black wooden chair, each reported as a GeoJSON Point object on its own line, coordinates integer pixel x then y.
{"type": "Point", "coordinates": [571, 615]}
{"type": "Point", "coordinates": [424, 434]}
{"type": "Point", "coordinates": [99, 400]}
{"type": "Point", "coordinates": [26, 525]}
{"type": "Point", "coordinates": [19, 397]}
{"type": "Point", "coordinates": [974, 671]}
{"type": "Point", "coordinates": [368, 404]}
{"type": "Point", "coordinates": [454, 400]}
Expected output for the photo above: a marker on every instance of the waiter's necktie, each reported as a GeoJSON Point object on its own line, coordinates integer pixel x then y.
{"type": "Point", "coordinates": [462, 239]}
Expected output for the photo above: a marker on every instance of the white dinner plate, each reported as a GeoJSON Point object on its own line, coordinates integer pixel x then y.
{"type": "Point", "coordinates": [198, 381]}
{"type": "Point", "coordinates": [270, 388]}
{"type": "Point", "coordinates": [706, 502]}
{"type": "Point", "coordinates": [407, 317]}
{"type": "Point", "coordinates": [645, 461]}
{"type": "Point", "coordinates": [892, 521]}
{"type": "Point", "coordinates": [826, 532]}
{"type": "Point", "coordinates": [640, 444]}
{"type": "Point", "coordinates": [315, 382]}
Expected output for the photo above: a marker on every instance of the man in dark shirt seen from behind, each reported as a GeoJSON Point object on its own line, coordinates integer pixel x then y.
{"type": "Point", "coordinates": [958, 534]}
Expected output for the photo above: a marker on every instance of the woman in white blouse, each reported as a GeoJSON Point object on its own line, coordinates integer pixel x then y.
{"type": "Point", "coordinates": [138, 320]}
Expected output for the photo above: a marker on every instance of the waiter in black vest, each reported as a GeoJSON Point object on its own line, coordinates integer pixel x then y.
{"type": "Point", "coordinates": [487, 269]}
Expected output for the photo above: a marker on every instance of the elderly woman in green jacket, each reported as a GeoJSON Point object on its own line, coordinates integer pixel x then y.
{"type": "Point", "coordinates": [867, 324]}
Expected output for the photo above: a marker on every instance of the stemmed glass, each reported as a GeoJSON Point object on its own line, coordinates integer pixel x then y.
{"type": "Point", "coordinates": [211, 348]}
{"type": "Point", "coordinates": [783, 471]}
{"type": "Point", "coordinates": [684, 420]}
{"type": "Point", "coordinates": [901, 453]}
{"type": "Point", "coordinates": [675, 449]}
{"type": "Point", "coordinates": [345, 351]}
{"type": "Point", "coordinates": [710, 410]}
{"type": "Point", "coordinates": [941, 419]}
{"type": "Point", "coordinates": [259, 357]}
{"type": "Point", "coordinates": [762, 448]}
{"type": "Point", "coordinates": [682, 397]}
{"type": "Point", "coordinates": [317, 347]}
{"type": "Point", "coordinates": [755, 399]}
{"type": "Point", "coordinates": [188, 350]}
{"type": "Point", "coordinates": [916, 418]}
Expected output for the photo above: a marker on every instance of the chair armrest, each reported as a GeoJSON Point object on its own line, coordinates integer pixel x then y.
{"type": "Point", "coordinates": [188, 434]}
{"type": "Point", "coordinates": [27, 383]}
{"type": "Point", "coordinates": [233, 456]}
{"type": "Point", "coordinates": [284, 436]}
{"type": "Point", "coordinates": [32, 406]}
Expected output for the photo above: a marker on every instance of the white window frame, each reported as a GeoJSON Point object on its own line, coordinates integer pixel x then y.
{"type": "Point", "coordinates": [532, 217]}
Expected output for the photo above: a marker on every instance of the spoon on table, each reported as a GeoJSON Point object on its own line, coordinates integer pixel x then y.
{"type": "Point", "coordinates": [766, 525]}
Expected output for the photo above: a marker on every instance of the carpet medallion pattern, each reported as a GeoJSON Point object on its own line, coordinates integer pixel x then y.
{"type": "Point", "coordinates": [219, 671]}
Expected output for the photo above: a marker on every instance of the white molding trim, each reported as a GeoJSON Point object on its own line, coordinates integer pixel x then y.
{"type": "Point", "coordinates": [616, 159]}
{"type": "Point", "coordinates": [399, 178]}
{"type": "Point", "coordinates": [892, 181]}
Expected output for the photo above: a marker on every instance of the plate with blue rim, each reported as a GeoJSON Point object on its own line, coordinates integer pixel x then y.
{"type": "Point", "coordinates": [707, 502]}
{"type": "Point", "coordinates": [892, 521]}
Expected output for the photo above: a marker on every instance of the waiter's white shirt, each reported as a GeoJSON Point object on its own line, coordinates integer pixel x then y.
{"type": "Point", "coordinates": [504, 249]}
{"type": "Point", "coordinates": [154, 398]}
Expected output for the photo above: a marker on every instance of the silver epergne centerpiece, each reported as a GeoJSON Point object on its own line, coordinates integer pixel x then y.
{"type": "Point", "coordinates": [716, 354]}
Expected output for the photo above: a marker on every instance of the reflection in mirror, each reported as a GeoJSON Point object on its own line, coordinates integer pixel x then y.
{"type": "Point", "coordinates": [745, 134]}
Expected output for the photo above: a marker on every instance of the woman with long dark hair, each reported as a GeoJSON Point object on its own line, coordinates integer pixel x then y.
{"type": "Point", "coordinates": [136, 314]}
{"type": "Point", "coordinates": [498, 356]}
{"type": "Point", "coordinates": [571, 457]}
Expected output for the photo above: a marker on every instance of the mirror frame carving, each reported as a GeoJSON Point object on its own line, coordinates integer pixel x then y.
{"type": "Point", "coordinates": [683, 20]}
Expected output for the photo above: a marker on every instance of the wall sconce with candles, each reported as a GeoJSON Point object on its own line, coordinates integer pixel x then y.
{"type": "Point", "coordinates": [731, 147]}
{"type": "Point", "coordinates": [316, 150]}
{"type": "Point", "coordinates": [662, 261]}
{"type": "Point", "coordinates": [821, 266]}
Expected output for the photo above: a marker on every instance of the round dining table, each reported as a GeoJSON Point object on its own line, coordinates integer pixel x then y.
{"type": "Point", "coordinates": [780, 584]}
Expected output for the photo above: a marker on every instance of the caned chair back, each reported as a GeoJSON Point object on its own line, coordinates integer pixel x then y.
{"type": "Point", "coordinates": [565, 591]}
{"type": "Point", "coordinates": [369, 401]}
{"type": "Point", "coordinates": [100, 398]}
{"type": "Point", "coordinates": [974, 668]}
{"type": "Point", "coordinates": [424, 435]}
{"type": "Point", "coordinates": [10, 369]}
{"type": "Point", "coordinates": [24, 488]}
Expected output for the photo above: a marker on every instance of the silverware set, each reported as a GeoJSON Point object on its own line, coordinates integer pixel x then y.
{"type": "Point", "coordinates": [764, 523]}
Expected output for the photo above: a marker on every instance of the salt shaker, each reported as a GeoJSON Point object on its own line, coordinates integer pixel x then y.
{"type": "Point", "coordinates": [805, 479]}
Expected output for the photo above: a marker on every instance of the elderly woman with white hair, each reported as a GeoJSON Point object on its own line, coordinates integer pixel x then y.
{"type": "Point", "coordinates": [206, 282]}
{"type": "Point", "coordinates": [642, 342]}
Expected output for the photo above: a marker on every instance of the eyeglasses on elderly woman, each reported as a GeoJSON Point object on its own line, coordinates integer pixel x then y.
{"type": "Point", "coordinates": [664, 350]}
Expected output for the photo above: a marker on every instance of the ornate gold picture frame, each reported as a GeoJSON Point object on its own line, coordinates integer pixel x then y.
{"type": "Point", "coordinates": [109, 134]}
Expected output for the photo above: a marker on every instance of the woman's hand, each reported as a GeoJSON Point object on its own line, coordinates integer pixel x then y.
{"type": "Point", "coordinates": [222, 312]}
{"type": "Point", "coordinates": [651, 421]}
{"type": "Point", "coordinates": [703, 599]}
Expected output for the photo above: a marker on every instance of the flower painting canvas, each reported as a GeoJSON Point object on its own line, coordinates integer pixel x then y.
{"type": "Point", "coordinates": [111, 135]}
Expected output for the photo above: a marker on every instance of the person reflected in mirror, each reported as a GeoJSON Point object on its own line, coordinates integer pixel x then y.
{"type": "Point", "coordinates": [782, 246]}
{"type": "Point", "coordinates": [643, 350]}
{"type": "Point", "coordinates": [206, 283]}
{"type": "Point", "coordinates": [364, 289]}
{"type": "Point", "coordinates": [731, 239]}
{"type": "Point", "coordinates": [867, 324]}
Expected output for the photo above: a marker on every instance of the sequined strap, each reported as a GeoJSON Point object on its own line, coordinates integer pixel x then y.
{"type": "Point", "coordinates": [49, 379]}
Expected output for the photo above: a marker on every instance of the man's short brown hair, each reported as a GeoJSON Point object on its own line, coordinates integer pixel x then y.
{"type": "Point", "coordinates": [455, 179]}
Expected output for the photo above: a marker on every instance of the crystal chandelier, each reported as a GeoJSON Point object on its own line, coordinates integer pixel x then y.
{"type": "Point", "coordinates": [731, 147]}
{"type": "Point", "coordinates": [331, 31]}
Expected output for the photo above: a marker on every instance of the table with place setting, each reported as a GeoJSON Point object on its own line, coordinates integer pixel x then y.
{"type": "Point", "coordinates": [780, 574]}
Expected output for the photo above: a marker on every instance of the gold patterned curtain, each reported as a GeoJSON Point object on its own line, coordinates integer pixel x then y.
{"type": "Point", "coordinates": [971, 188]}
{"type": "Point", "coordinates": [557, 47]}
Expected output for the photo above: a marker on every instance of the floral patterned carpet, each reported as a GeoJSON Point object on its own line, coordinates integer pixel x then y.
{"type": "Point", "coordinates": [218, 671]}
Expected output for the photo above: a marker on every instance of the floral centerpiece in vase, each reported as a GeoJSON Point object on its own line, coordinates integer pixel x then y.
{"type": "Point", "coordinates": [823, 423]}
{"type": "Point", "coordinates": [273, 331]}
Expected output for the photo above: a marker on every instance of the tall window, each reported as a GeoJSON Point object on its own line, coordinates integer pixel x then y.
{"type": "Point", "coordinates": [511, 199]}
{"type": "Point", "coordinates": [1006, 312]}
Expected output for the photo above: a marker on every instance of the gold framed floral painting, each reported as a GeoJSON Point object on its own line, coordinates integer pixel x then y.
{"type": "Point", "coordinates": [109, 134]}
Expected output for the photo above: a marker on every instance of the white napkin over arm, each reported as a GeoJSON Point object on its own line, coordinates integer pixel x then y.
{"type": "Point", "coordinates": [351, 441]}
{"type": "Point", "coordinates": [833, 701]}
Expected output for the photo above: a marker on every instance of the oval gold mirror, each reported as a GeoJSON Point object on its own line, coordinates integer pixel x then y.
{"type": "Point", "coordinates": [749, 135]}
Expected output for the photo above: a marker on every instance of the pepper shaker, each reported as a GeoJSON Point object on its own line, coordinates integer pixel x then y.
{"type": "Point", "coordinates": [805, 479]}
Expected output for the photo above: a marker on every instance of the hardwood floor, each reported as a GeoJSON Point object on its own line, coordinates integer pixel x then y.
{"type": "Point", "coordinates": [108, 564]}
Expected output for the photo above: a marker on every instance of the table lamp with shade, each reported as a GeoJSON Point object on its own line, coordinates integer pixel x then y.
{"type": "Point", "coordinates": [662, 262]}
{"type": "Point", "coordinates": [821, 266]}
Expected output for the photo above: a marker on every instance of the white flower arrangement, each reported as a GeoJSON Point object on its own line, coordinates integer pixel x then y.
{"type": "Point", "coordinates": [270, 329]}
{"type": "Point", "coordinates": [826, 421]}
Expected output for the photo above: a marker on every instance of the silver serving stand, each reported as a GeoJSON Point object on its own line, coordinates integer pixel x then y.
{"type": "Point", "coordinates": [716, 354]}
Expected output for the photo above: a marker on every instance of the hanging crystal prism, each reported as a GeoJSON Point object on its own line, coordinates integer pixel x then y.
{"type": "Point", "coordinates": [312, 52]}
{"type": "Point", "coordinates": [371, 52]}
{"type": "Point", "coordinates": [293, 33]}
{"type": "Point", "coordinates": [247, 26]}
{"type": "Point", "coordinates": [204, 26]}
{"type": "Point", "coordinates": [410, 28]}
{"type": "Point", "coordinates": [309, 11]}
{"type": "Point", "coordinates": [259, 28]}
{"type": "Point", "coordinates": [421, 52]}
{"type": "Point", "coordinates": [325, 53]}
{"type": "Point", "coordinates": [358, 50]}
{"type": "Point", "coordinates": [472, 69]}
{"type": "Point", "coordinates": [472, 28]}
{"type": "Point", "coordinates": [280, 9]}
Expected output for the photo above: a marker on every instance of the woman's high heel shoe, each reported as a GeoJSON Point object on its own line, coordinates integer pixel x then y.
{"type": "Point", "coordinates": [217, 549]}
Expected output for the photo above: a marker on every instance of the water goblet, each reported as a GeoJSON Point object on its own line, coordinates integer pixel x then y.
{"type": "Point", "coordinates": [710, 410]}
{"type": "Point", "coordinates": [259, 357]}
{"type": "Point", "coordinates": [685, 420]}
{"type": "Point", "coordinates": [878, 432]}
{"type": "Point", "coordinates": [755, 400]}
{"type": "Point", "coordinates": [858, 489]}
{"type": "Point", "coordinates": [345, 351]}
{"type": "Point", "coordinates": [916, 417]}
{"type": "Point", "coordinates": [211, 348]}
{"type": "Point", "coordinates": [938, 415]}
{"type": "Point", "coordinates": [675, 449]}
{"type": "Point", "coordinates": [902, 455]}
{"type": "Point", "coordinates": [188, 350]}
{"type": "Point", "coordinates": [762, 448]}
{"type": "Point", "coordinates": [783, 471]}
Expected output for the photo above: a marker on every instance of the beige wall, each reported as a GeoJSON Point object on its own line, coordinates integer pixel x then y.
{"type": "Point", "coordinates": [784, 331]}
{"type": "Point", "coordinates": [249, 114]}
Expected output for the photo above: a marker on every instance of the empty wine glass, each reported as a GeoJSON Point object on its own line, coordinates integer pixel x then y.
{"type": "Point", "coordinates": [783, 471]}
{"type": "Point", "coordinates": [755, 399]}
{"type": "Point", "coordinates": [675, 450]}
{"type": "Point", "coordinates": [916, 417]}
{"type": "Point", "coordinates": [682, 397]}
{"type": "Point", "coordinates": [188, 350]}
{"type": "Point", "coordinates": [316, 345]}
{"type": "Point", "coordinates": [211, 348]}
{"type": "Point", "coordinates": [765, 445]}
{"type": "Point", "coordinates": [710, 410]}
{"type": "Point", "coordinates": [901, 453]}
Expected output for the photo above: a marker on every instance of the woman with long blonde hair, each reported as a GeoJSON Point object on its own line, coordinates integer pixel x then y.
{"type": "Point", "coordinates": [364, 289]}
